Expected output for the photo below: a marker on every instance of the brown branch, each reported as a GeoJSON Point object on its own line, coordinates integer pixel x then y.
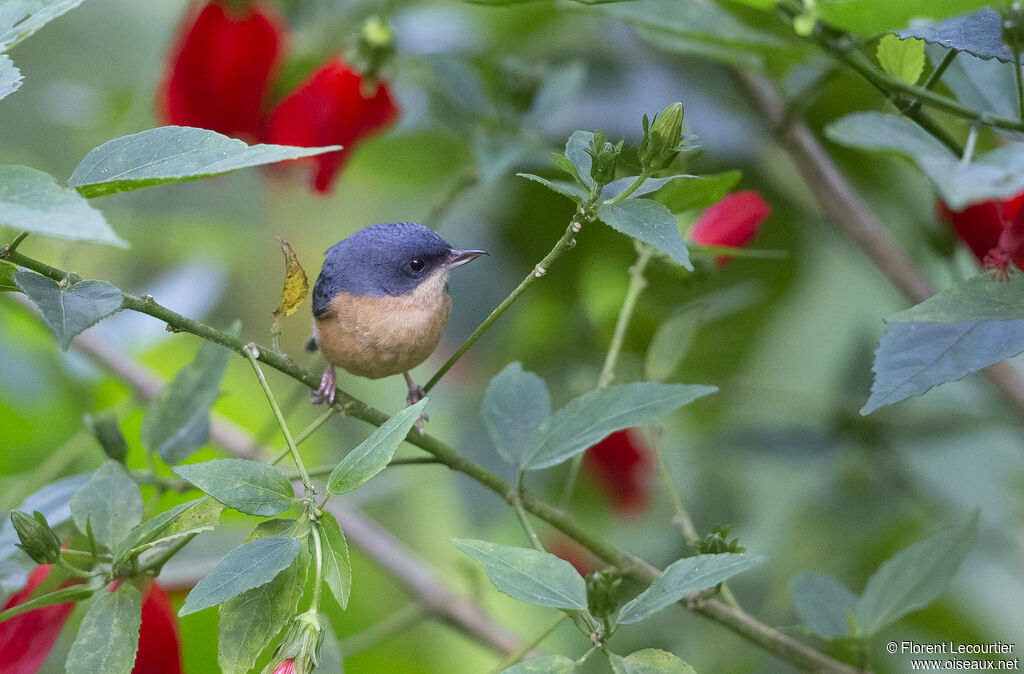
{"type": "Point", "coordinates": [852, 214]}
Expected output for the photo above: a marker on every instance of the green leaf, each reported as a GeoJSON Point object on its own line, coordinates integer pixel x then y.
{"type": "Point", "coordinates": [684, 577]}
{"type": "Point", "coordinates": [650, 222]}
{"type": "Point", "coordinates": [593, 416]}
{"type": "Point", "coordinates": [177, 420]}
{"type": "Point", "coordinates": [687, 195]}
{"type": "Point", "coordinates": [21, 18]}
{"type": "Point", "coordinates": [10, 77]}
{"type": "Point", "coordinates": [251, 487]}
{"type": "Point", "coordinates": [108, 637]}
{"type": "Point", "coordinates": [671, 341]}
{"type": "Point", "coordinates": [515, 403]}
{"type": "Point", "coordinates": [173, 154]}
{"type": "Point", "coordinates": [250, 565]}
{"type": "Point", "coordinates": [979, 33]}
{"type": "Point", "coordinates": [250, 621]}
{"type": "Point", "coordinates": [62, 595]}
{"type": "Point", "coordinates": [7, 283]}
{"type": "Point", "coordinates": [373, 454]}
{"type": "Point", "coordinates": [563, 163]}
{"type": "Point", "coordinates": [560, 88]}
{"type": "Point", "coordinates": [915, 357]}
{"type": "Point", "coordinates": [979, 298]}
{"type": "Point", "coordinates": [53, 501]}
{"type": "Point", "coordinates": [460, 84]}
{"type": "Point", "coordinates": [649, 661]}
{"type": "Point", "coordinates": [529, 575]}
{"type": "Point", "coordinates": [563, 187]}
{"type": "Point", "coordinates": [182, 520]}
{"type": "Point", "coordinates": [70, 309]}
{"type": "Point", "coordinates": [985, 86]}
{"type": "Point", "coordinates": [617, 187]}
{"type": "Point", "coordinates": [998, 174]}
{"type": "Point", "coordinates": [31, 201]}
{"type": "Point", "coordinates": [576, 153]}
{"type": "Point", "coordinates": [823, 603]}
{"type": "Point", "coordinates": [337, 567]}
{"type": "Point", "coordinates": [901, 57]}
{"type": "Point", "coordinates": [497, 152]}
{"type": "Point", "coordinates": [871, 17]}
{"type": "Point", "coordinates": [545, 664]}
{"type": "Point", "coordinates": [110, 502]}
{"type": "Point", "coordinates": [914, 577]}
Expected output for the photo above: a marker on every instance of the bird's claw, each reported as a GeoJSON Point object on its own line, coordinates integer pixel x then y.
{"type": "Point", "coordinates": [328, 386]}
{"type": "Point", "coordinates": [416, 394]}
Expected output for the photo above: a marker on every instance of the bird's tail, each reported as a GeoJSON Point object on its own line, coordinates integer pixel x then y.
{"type": "Point", "coordinates": [311, 345]}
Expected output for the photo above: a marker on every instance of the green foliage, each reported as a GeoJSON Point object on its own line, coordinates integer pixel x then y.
{"type": "Point", "coordinates": [31, 201]}
{"type": "Point", "coordinates": [185, 519]}
{"type": "Point", "coordinates": [337, 567]}
{"type": "Point", "coordinates": [902, 58]}
{"type": "Point", "coordinates": [7, 283]}
{"type": "Point", "coordinates": [171, 154]}
{"type": "Point", "coordinates": [70, 307]}
{"type": "Point", "coordinates": [109, 503]}
{"type": "Point", "coordinates": [107, 431]}
{"type": "Point", "coordinates": [177, 420]}
{"type": "Point", "coordinates": [649, 661]}
{"type": "Point", "coordinates": [870, 17]}
{"type": "Point", "coordinates": [373, 454]}
{"type": "Point", "coordinates": [529, 575]}
{"type": "Point", "coordinates": [247, 566]}
{"type": "Point", "coordinates": [592, 416]}
{"type": "Point", "coordinates": [544, 664]}
{"type": "Point", "coordinates": [21, 18]}
{"type": "Point", "coordinates": [823, 603]}
{"type": "Point", "coordinates": [251, 487]}
{"type": "Point", "coordinates": [37, 538]}
{"type": "Point", "coordinates": [648, 221]}
{"type": "Point", "coordinates": [671, 341]}
{"type": "Point", "coordinates": [913, 577]}
{"type": "Point", "coordinates": [108, 637]}
{"type": "Point", "coordinates": [979, 33]}
{"type": "Point", "coordinates": [684, 577]}
{"type": "Point", "coordinates": [514, 405]}
{"type": "Point", "coordinates": [10, 77]}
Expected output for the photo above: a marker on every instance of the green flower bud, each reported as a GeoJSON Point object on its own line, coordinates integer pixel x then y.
{"type": "Point", "coordinates": [602, 588]}
{"type": "Point", "coordinates": [301, 645]}
{"type": "Point", "coordinates": [37, 538]}
{"type": "Point", "coordinates": [376, 45]}
{"type": "Point", "coordinates": [107, 432]}
{"type": "Point", "coordinates": [605, 156]}
{"type": "Point", "coordinates": [663, 138]}
{"type": "Point", "coordinates": [1013, 27]}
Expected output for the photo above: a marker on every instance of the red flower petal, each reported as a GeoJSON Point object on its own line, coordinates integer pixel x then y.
{"type": "Point", "coordinates": [980, 225]}
{"type": "Point", "coordinates": [159, 645]}
{"type": "Point", "coordinates": [332, 107]}
{"type": "Point", "coordinates": [26, 639]}
{"type": "Point", "coordinates": [286, 667]}
{"type": "Point", "coordinates": [621, 465]}
{"type": "Point", "coordinates": [733, 222]}
{"type": "Point", "coordinates": [221, 69]}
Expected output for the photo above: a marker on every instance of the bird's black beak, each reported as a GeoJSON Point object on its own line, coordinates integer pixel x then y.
{"type": "Point", "coordinates": [457, 258]}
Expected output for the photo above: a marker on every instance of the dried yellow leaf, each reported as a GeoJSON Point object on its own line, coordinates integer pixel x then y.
{"type": "Point", "coordinates": [296, 285]}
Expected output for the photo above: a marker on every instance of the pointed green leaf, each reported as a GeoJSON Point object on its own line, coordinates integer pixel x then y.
{"type": "Point", "coordinates": [250, 621]}
{"type": "Point", "coordinates": [172, 154]}
{"type": "Point", "coordinates": [251, 487]}
{"type": "Point", "coordinates": [545, 664]}
{"type": "Point", "coordinates": [62, 595]}
{"type": "Point", "coordinates": [593, 416]}
{"type": "Point", "coordinates": [108, 637]}
{"type": "Point", "coordinates": [979, 33]}
{"type": "Point", "coordinates": [70, 309]}
{"type": "Point", "coordinates": [182, 520]}
{"type": "Point", "coordinates": [649, 661]}
{"type": "Point", "coordinates": [110, 502]}
{"type": "Point", "coordinates": [980, 298]}
{"type": "Point", "coordinates": [177, 420]}
{"type": "Point", "coordinates": [250, 565]}
{"type": "Point", "coordinates": [563, 187]}
{"type": "Point", "coordinates": [10, 77]}
{"type": "Point", "coordinates": [31, 201]}
{"type": "Point", "coordinates": [901, 58]}
{"type": "Point", "coordinates": [576, 153]}
{"type": "Point", "coordinates": [7, 283]}
{"type": "Point", "coordinates": [337, 567]}
{"type": "Point", "coordinates": [373, 454]}
{"type": "Point", "coordinates": [687, 195]}
{"type": "Point", "coordinates": [563, 163]}
{"type": "Point", "coordinates": [529, 575]}
{"type": "Point", "coordinates": [683, 578]}
{"type": "Point", "coordinates": [671, 341]}
{"type": "Point", "coordinates": [515, 403]}
{"type": "Point", "coordinates": [648, 221]}
{"type": "Point", "coordinates": [823, 603]}
{"type": "Point", "coordinates": [21, 18]}
{"type": "Point", "coordinates": [914, 577]}
{"type": "Point", "coordinates": [617, 187]}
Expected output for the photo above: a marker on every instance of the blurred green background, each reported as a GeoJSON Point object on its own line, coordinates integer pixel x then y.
{"type": "Point", "coordinates": [780, 453]}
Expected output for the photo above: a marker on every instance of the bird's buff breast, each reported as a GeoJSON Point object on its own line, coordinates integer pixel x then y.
{"type": "Point", "coordinates": [380, 336]}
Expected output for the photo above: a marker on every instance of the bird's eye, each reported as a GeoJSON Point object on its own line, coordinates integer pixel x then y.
{"type": "Point", "coordinates": [417, 265]}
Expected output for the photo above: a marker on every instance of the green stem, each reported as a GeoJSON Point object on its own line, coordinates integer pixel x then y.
{"type": "Point", "coordinates": [395, 623]}
{"type": "Point", "coordinates": [640, 179]}
{"type": "Point", "coordinates": [566, 242]}
{"type": "Point", "coordinates": [251, 352]}
{"type": "Point", "coordinates": [320, 471]}
{"type": "Point", "coordinates": [155, 565]}
{"type": "Point", "coordinates": [681, 517]}
{"type": "Point", "coordinates": [934, 77]}
{"type": "Point", "coordinates": [516, 502]}
{"type": "Point", "coordinates": [531, 643]}
{"type": "Point", "coordinates": [1020, 84]}
{"type": "Point", "coordinates": [464, 180]}
{"type": "Point", "coordinates": [318, 568]}
{"type": "Point", "coordinates": [13, 245]}
{"type": "Point", "coordinates": [304, 434]}
{"type": "Point", "coordinates": [636, 569]}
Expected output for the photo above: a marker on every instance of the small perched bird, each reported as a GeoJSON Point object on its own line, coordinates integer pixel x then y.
{"type": "Point", "coordinates": [381, 302]}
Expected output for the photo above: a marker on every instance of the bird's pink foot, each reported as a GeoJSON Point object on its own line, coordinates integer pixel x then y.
{"type": "Point", "coordinates": [325, 394]}
{"type": "Point", "coordinates": [416, 394]}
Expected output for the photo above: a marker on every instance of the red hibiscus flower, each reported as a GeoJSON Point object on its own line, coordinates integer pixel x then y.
{"type": "Point", "coordinates": [286, 667]}
{"type": "Point", "coordinates": [159, 644]}
{"type": "Point", "coordinates": [732, 222]}
{"type": "Point", "coordinates": [336, 105]}
{"type": "Point", "coordinates": [220, 72]}
{"type": "Point", "coordinates": [26, 639]}
{"type": "Point", "coordinates": [622, 465]}
{"type": "Point", "coordinates": [993, 230]}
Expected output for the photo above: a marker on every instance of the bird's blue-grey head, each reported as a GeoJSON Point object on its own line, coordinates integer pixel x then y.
{"type": "Point", "coordinates": [385, 260]}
